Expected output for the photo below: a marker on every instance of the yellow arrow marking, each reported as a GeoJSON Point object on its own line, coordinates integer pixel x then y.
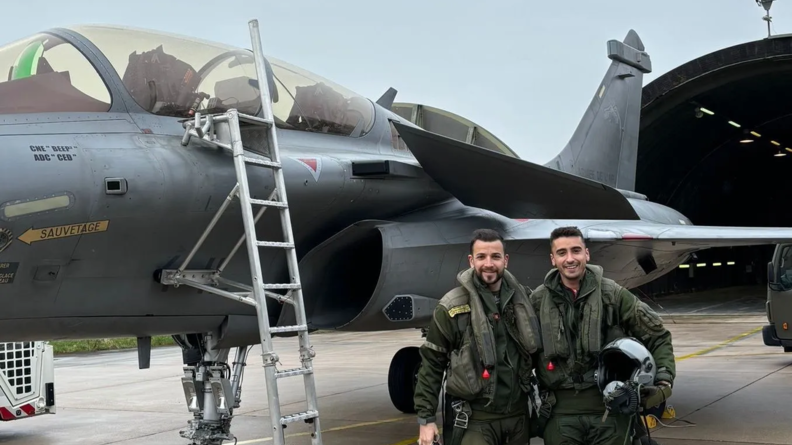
{"type": "Point", "coordinates": [47, 233]}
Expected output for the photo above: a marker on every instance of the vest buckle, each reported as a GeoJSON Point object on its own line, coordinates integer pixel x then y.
{"type": "Point", "coordinates": [461, 408]}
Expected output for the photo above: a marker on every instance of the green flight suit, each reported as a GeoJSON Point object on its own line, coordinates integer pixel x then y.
{"type": "Point", "coordinates": [574, 330]}
{"type": "Point", "coordinates": [472, 330]}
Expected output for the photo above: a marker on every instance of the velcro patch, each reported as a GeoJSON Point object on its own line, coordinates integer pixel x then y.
{"type": "Point", "coordinates": [458, 310]}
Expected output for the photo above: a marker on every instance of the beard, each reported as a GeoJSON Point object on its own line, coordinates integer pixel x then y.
{"type": "Point", "coordinates": [489, 276]}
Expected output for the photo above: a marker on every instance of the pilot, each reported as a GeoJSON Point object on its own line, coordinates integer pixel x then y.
{"type": "Point", "coordinates": [484, 336]}
{"type": "Point", "coordinates": [580, 311]}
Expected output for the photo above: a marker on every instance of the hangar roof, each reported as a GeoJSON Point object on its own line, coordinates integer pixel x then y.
{"type": "Point", "coordinates": [714, 132]}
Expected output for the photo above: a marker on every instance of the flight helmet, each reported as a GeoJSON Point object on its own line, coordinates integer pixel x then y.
{"type": "Point", "coordinates": [625, 360]}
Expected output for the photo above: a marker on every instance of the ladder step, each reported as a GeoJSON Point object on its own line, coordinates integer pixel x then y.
{"type": "Point", "coordinates": [261, 162]}
{"type": "Point", "coordinates": [281, 286]}
{"type": "Point", "coordinates": [293, 372]}
{"type": "Point", "coordinates": [248, 119]}
{"type": "Point", "coordinates": [263, 202]}
{"type": "Point", "coordinates": [274, 244]}
{"type": "Point", "coordinates": [296, 417]}
{"type": "Point", "coordinates": [295, 328]}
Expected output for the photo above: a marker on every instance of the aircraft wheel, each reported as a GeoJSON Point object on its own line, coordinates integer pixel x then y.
{"type": "Point", "coordinates": [402, 375]}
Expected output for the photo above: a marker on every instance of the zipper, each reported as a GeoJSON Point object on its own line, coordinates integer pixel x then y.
{"type": "Point", "coordinates": [570, 343]}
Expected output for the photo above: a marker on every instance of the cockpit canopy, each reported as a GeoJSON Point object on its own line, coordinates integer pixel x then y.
{"type": "Point", "coordinates": [44, 73]}
{"type": "Point", "coordinates": [171, 75]}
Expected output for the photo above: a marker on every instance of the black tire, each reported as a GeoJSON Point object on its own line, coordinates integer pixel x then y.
{"type": "Point", "coordinates": [401, 378]}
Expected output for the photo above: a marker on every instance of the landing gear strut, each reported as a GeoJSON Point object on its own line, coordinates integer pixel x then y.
{"type": "Point", "coordinates": [402, 376]}
{"type": "Point", "coordinates": [212, 389]}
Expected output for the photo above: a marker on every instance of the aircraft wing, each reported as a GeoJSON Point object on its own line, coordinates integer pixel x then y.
{"type": "Point", "coordinates": [686, 237]}
{"type": "Point", "coordinates": [635, 253]}
{"type": "Point", "coordinates": [511, 187]}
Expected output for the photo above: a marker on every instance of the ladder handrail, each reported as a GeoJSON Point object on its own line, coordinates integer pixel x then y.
{"type": "Point", "coordinates": [204, 128]}
{"type": "Point", "coordinates": [306, 349]}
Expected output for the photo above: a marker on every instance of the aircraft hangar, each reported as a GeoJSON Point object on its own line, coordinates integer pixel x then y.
{"type": "Point", "coordinates": [715, 143]}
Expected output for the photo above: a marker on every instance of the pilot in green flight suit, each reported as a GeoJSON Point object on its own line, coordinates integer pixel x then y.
{"type": "Point", "coordinates": [580, 311]}
{"type": "Point", "coordinates": [483, 335]}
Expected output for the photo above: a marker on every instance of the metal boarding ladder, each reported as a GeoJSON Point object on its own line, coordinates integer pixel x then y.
{"type": "Point", "coordinates": [210, 129]}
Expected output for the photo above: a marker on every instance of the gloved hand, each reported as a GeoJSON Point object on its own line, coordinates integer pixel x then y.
{"type": "Point", "coordinates": [654, 395]}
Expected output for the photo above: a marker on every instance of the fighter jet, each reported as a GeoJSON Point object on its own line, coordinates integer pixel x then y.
{"type": "Point", "coordinates": [100, 198]}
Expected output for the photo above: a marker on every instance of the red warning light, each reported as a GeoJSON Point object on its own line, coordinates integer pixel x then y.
{"type": "Point", "coordinates": [486, 374]}
{"type": "Point", "coordinates": [550, 366]}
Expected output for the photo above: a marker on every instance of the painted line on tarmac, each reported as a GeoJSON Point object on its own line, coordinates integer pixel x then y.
{"type": "Point", "coordinates": [721, 345]}
{"type": "Point", "coordinates": [338, 428]}
{"type": "Point", "coordinates": [758, 354]}
{"type": "Point", "coordinates": [407, 442]}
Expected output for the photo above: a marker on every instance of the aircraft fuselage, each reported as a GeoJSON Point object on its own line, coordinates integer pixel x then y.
{"type": "Point", "coordinates": [125, 203]}
{"type": "Point", "coordinates": [127, 198]}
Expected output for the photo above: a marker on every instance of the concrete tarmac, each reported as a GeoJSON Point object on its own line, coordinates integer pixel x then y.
{"type": "Point", "coordinates": [730, 389]}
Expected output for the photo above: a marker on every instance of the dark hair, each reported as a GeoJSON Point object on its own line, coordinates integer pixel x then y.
{"type": "Point", "coordinates": [563, 232]}
{"type": "Point", "coordinates": [486, 235]}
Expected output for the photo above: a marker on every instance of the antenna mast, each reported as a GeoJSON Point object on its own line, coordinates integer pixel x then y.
{"type": "Point", "coordinates": [767, 18]}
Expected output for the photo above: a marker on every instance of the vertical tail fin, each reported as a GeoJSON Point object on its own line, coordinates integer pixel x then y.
{"type": "Point", "coordinates": [604, 146]}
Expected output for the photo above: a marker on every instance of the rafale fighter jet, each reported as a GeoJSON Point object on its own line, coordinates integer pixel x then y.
{"type": "Point", "coordinates": [98, 196]}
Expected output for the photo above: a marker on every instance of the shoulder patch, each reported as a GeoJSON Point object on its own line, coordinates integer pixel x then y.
{"type": "Point", "coordinates": [458, 310]}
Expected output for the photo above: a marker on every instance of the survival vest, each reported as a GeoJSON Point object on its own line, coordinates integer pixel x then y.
{"type": "Point", "coordinates": [475, 352]}
{"type": "Point", "coordinates": [572, 366]}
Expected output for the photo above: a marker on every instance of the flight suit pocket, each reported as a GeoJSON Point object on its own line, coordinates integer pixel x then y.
{"type": "Point", "coordinates": [464, 379]}
{"type": "Point", "coordinates": [554, 335]}
{"type": "Point", "coordinates": [549, 378]}
{"type": "Point", "coordinates": [648, 320]}
{"type": "Point", "coordinates": [517, 431]}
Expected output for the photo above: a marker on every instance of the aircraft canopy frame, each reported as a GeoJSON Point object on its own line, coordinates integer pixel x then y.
{"type": "Point", "coordinates": [74, 69]}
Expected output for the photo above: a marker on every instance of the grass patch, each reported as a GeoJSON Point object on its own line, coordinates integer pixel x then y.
{"type": "Point", "coordinates": [112, 344]}
{"type": "Point", "coordinates": [105, 344]}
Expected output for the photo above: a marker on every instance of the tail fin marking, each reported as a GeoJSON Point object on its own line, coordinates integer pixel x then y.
{"type": "Point", "coordinates": [604, 146]}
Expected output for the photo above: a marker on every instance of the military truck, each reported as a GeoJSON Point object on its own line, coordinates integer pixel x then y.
{"type": "Point", "coordinates": [779, 299]}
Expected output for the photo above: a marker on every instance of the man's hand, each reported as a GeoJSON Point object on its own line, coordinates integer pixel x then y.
{"type": "Point", "coordinates": [427, 434]}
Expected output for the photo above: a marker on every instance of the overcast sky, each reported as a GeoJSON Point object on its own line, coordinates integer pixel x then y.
{"type": "Point", "coordinates": [523, 69]}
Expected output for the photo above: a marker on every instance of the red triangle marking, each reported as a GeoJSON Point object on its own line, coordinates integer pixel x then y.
{"type": "Point", "coordinates": [310, 162]}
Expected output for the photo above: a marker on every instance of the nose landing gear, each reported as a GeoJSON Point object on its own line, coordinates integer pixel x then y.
{"type": "Point", "coordinates": [402, 375]}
